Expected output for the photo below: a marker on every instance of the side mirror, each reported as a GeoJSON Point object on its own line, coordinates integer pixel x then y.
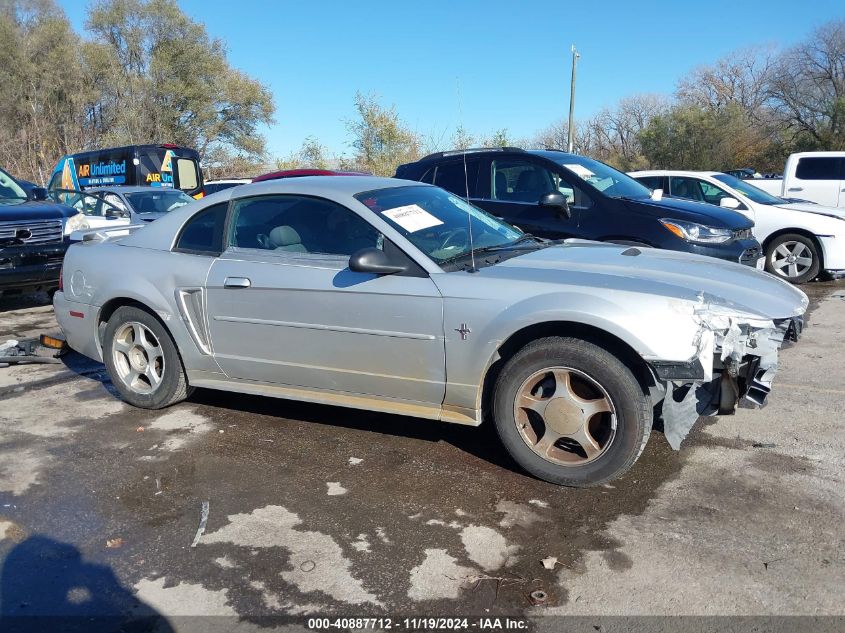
{"type": "Point", "coordinates": [657, 195]}
{"type": "Point", "coordinates": [114, 212]}
{"type": "Point", "coordinates": [375, 261]}
{"type": "Point", "coordinates": [729, 203]}
{"type": "Point", "coordinates": [556, 200]}
{"type": "Point", "coordinates": [39, 193]}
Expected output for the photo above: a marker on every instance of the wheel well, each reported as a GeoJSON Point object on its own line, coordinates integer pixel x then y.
{"type": "Point", "coordinates": [589, 333]}
{"type": "Point", "coordinates": [803, 232]}
{"type": "Point", "coordinates": [111, 306]}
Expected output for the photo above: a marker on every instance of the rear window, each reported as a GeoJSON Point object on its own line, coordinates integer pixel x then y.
{"type": "Point", "coordinates": [818, 168]}
{"type": "Point", "coordinates": [652, 182]}
{"type": "Point", "coordinates": [203, 233]}
{"type": "Point", "coordinates": [453, 177]}
{"type": "Point", "coordinates": [186, 170]}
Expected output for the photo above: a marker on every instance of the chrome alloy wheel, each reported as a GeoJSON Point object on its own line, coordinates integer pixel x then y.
{"type": "Point", "coordinates": [791, 259]}
{"type": "Point", "coordinates": [138, 357]}
{"type": "Point", "coordinates": [565, 416]}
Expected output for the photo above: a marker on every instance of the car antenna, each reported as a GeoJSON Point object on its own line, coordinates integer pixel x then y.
{"type": "Point", "coordinates": [472, 269]}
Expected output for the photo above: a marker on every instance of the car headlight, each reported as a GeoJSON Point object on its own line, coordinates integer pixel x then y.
{"type": "Point", "coordinates": [697, 233]}
{"type": "Point", "coordinates": [76, 223]}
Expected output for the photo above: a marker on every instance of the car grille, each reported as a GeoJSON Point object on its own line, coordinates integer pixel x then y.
{"type": "Point", "coordinates": [750, 256]}
{"type": "Point", "coordinates": [31, 231]}
{"type": "Point", "coordinates": [742, 234]}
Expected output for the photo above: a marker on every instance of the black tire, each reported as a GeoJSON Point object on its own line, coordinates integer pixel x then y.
{"type": "Point", "coordinates": [633, 409]}
{"type": "Point", "coordinates": [173, 387]}
{"type": "Point", "coordinates": [792, 241]}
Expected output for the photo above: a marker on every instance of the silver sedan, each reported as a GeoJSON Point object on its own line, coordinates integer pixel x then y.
{"type": "Point", "coordinates": [395, 296]}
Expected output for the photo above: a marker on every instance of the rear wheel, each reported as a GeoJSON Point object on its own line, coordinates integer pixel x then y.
{"type": "Point", "coordinates": [570, 412]}
{"type": "Point", "coordinates": [142, 360]}
{"type": "Point", "coordinates": [793, 257]}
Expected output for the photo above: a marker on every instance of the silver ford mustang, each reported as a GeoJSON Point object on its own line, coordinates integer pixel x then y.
{"type": "Point", "coordinates": [396, 296]}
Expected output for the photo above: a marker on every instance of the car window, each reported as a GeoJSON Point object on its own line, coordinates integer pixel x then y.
{"type": "Point", "coordinates": [452, 177]}
{"type": "Point", "coordinates": [440, 224]}
{"type": "Point", "coordinates": [157, 200]}
{"type": "Point", "coordinates": [687, 188]}
{"type": "Point", "coordinates": [186, 171]}
{"type": "Point", "coordinates": [300, 224]}
{"type": "Point", "coordinates": [818, 168]}
{"type": "Point", "coordinates": [712, 193]}
{"type": "Point", "coordinates": [203, 233]}
{"type": "Point", "coordinates": [114, 200]}
{"type": "Point", "coordinates": [520, 181]}
{"type": "Point", "coordinates": [652, 182]}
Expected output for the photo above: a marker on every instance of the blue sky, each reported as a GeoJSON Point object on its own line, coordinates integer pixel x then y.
{"type": "Point", "coordinates": [503, 64]}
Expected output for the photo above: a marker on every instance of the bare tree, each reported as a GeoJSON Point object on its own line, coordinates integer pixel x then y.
{"type": "Point", "coordinates": [808, 88]}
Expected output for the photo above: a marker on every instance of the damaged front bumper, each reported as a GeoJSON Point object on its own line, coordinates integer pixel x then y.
{"type": "Point", "coordinates": [735, 365]}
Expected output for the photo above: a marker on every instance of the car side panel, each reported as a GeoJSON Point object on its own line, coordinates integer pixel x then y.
{"type": "Point", "coordinates": [150, 277]}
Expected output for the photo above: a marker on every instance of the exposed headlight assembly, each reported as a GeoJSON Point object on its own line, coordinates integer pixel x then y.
{"type": "Point", "coordinates": [76, 222]}
{"type": "Point", "coordinates": [697, 233]}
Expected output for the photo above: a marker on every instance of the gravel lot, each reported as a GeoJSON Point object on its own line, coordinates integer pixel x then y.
{"type": "Point", "coordinates": [313, 509]}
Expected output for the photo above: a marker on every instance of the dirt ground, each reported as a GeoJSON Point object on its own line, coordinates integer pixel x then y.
{"type": "Point", "coordinates": [314, 510]}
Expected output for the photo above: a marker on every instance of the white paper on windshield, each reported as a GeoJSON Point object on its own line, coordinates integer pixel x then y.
{"type": "Point", "coordinates": [580, 170]}
{"type": "Point", "coordinates": [412, 217]}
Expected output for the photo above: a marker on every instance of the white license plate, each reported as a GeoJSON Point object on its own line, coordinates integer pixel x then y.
{"type": "Point", "coordinates": [761, 263]}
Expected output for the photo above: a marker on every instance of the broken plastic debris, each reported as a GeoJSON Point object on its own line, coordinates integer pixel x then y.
{"type": "Point", "coordinates": [550, 562]}
{"type": "Point", "coordinates": [203, 521]}
{"type": "Point", "coordinates": [355, 460]}
{"type": "Point", "coordinates": [140, 429]}
{"type": "Point", "coordinates": [114, 543]}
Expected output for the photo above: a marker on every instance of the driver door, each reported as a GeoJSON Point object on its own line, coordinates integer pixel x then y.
{"type": "Point", "coordinates": [285, 309]}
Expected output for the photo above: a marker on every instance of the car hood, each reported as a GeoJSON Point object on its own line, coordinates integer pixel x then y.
{"type": "Point", "coordinates": [35, 210]}
{"type": "Point", "coordinates": [816, 209]}
{"type": "Point", "coordinates": [698, 212]}
{"type": "Point", "coordinates": [670, 274]}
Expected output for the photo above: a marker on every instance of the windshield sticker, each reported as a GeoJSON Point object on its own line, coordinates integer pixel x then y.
{"type": "Point", "coordinates": [581, 171]}
{"type": "Point", "coordinates": [412, 218]}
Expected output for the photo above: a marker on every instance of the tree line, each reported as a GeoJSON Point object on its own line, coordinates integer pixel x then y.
{"type": "Point", "coordinates": [144, 72]}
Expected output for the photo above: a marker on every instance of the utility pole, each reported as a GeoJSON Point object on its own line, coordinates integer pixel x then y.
{"type": "Point", "coordinates": [569, 135]}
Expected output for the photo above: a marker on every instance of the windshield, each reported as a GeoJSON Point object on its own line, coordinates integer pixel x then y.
{"type": "Point", "coordinates": [157, 201]}
{"type": "Point", "coordinates": [437, 222]}
{"type": "Point", "coordinates": [603, 177]}
{"type": "Point", "coordinates": [749, 191]}
{"type": "Point", "coordinates": [10, 191]}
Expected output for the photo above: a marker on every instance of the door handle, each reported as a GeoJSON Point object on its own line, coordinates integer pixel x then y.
{"type": "Point", "coordinates": [796, 189]}
{"type": "Point", "coordinates": [236, 282]}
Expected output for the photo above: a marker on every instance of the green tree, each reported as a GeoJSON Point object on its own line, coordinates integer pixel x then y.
{"type": "Point", "coordinates": [379, 137]}
{"type": "Point", "coordinates": [46, 96]}
{"type": "Point", "coordinates": [312, 155]}
{"type": "Point", "coordinates": [162, 78]}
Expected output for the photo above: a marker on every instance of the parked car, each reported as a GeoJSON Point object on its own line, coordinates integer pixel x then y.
{"type": "Point", "coordinates": [32, 237]}
{"type": "Point", "coordinates": [160, 166]}
{"type": "Point", "coordinates": [213, 186]}
{"type": "Point", "coordinates": [598, 203]}
{"type": "Point", "coordinates": [107, 206]}
{"type": "Point", "coordinates": [799, 239]}
{"type": "Point", "coordinates": [817, 177]}
{"type": "Point", "coordinates": [301, 173]}
{"type": "Point", "coordinates": [395, 296]}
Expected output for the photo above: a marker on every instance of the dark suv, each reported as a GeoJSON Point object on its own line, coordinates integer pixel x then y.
{"type": "Point", "coordinates": [557, 195]}
{"type": "Point", "coordinates": [32, 237]}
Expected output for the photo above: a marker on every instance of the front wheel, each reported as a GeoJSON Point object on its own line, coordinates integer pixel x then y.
{"type": "Point", "coordinates": [793, 257]}
{"type": "Point", "coordinates": [570, 412]}
{"type": "Point", "coordinates": [142, 360]}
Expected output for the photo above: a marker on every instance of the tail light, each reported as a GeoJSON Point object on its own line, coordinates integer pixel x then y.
{"type": "Point", "coordinates": [61, 279]}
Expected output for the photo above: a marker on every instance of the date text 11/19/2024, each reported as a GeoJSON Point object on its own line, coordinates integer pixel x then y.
{"type": "Point", "coordinates": [418, 624]}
